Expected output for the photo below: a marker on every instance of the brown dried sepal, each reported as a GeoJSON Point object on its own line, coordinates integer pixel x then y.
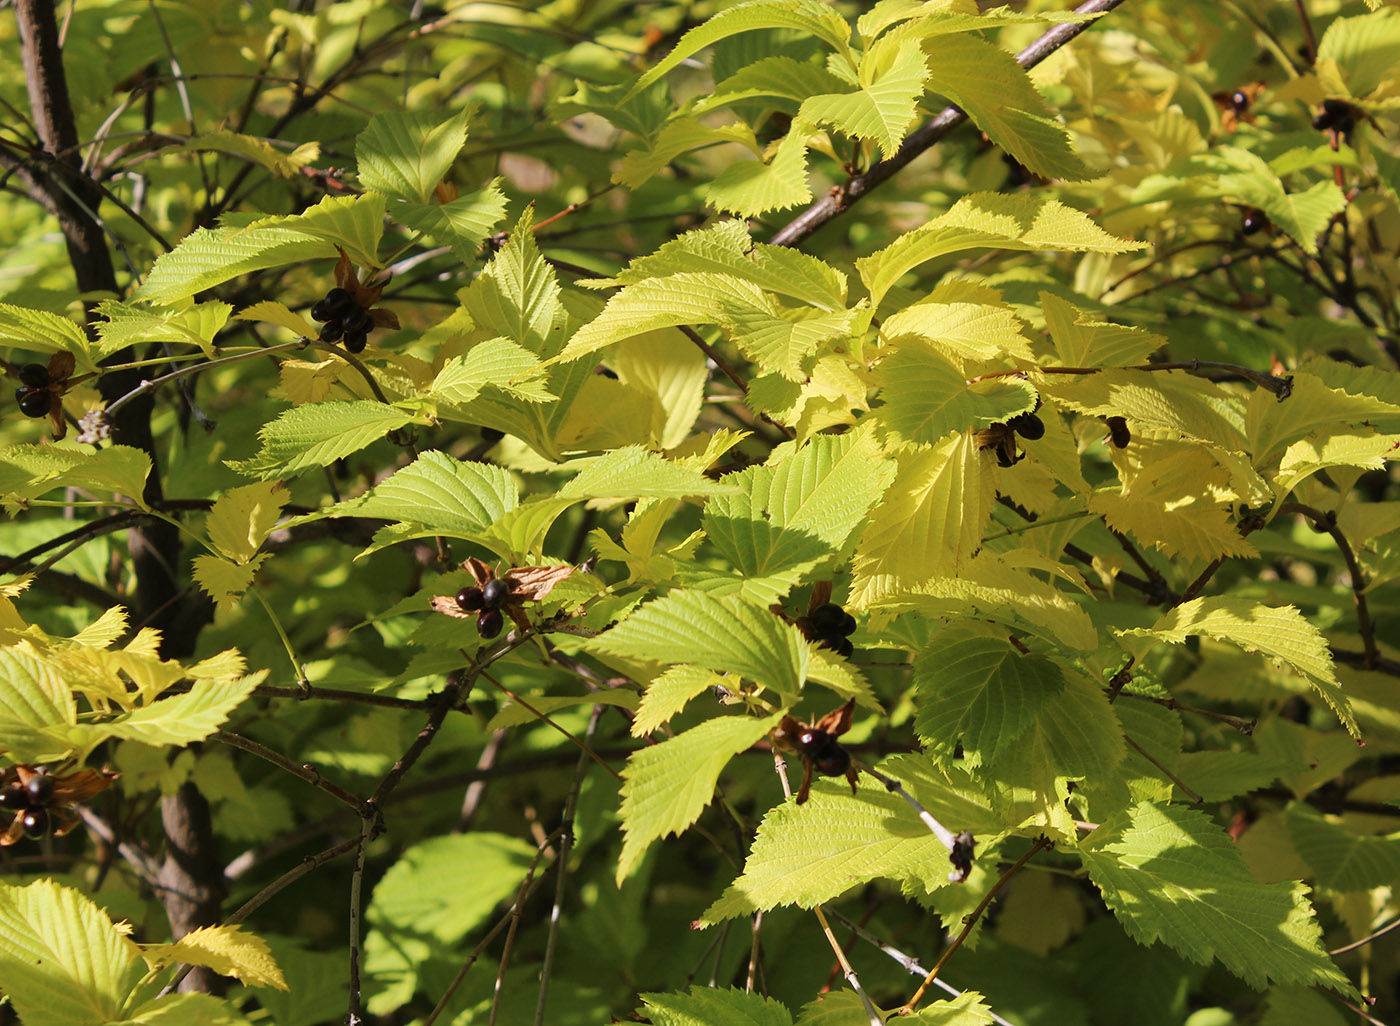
{"type": "Point", "coordinates": [788, 734]}
{"type": "Point", "coordinates": [527, 584]}
{"type": "Point", "coordinates": [365, 295]}
{"type": "Point", "coordinates": [1001, 439]}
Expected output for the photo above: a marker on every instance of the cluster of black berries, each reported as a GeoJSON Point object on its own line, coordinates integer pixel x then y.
{"type": "Point", "coordinates": [486, 602]}
{"type": "Point", "coordinates": [343, 319]}
{"type": "Point", "coordinates": [1001, 438]}
{"type": "Point", "coordinates": [1027, 425]}
{"type": "Point", "coordinates": [33, 395]}
{"type": "Point", "coordinates": [1337, 115]}
{"type": "Point", "coordinates": [831, 626]}
{"type": "Point", "coordinates": [32, 800]}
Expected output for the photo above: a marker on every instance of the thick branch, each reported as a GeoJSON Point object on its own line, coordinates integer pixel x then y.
{"type": "Point", "coordinates": [843, 197]}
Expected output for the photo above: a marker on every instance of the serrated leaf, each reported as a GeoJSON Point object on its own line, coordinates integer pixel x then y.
{"type": "Point", "coordinates": [29, 471]}
{"type": "Point", "coordinates": [778, 343]}
{"type": "Point", "coordinates": [980, 694]}
{"type": "Point", "coordinates": [517, 295]}
{"type": "Point", "coordinates": [242, 518]}
{"type": "Point", "coordinates": [1280, 633]}
{"type": "Point", "coordinates": [972, 331]}
{"type": "Point", "coordinates": [789, 518]}
{"type": "Point", "coordinates": [406, 153]}
{"type": "Point", "coordinates": [225, 581]}
{"type": "Point", "coordinates": [804, 855]}
{"type": "Point", "coordinates": [680, 136]}
{"type": "Point", "coordinates": [354, 224]}
{"type": "Point", "coordinates": [210, 256]}
{"type": "Point", "coordinates": [1022, 221]}
{"type": "Point", "coordinates": [318, 435]}
{"type": "Point", "coordinates": [1343, 859]}
{"type": "Point", "coordinates": [930, 521]}
{"type": "Point", "coordinates": [62, 962]}
{"type": "Point", "coordinates": [669, 693]}
{"type": "Point", "coordinates": [228, 950]}
{"type": "Point", "coordinates": [1364, 49]}
{"type": "Point", "coordinates": [997, 94]}
{"type": "Point", "coordinates": [196, 324]}
{"type": "Point", "coordinates": [1302, 215]}
{"type": "Point", "coordinates": [256, 149]}
{"type": "Point", "coordinates": [496, 362]}
{"type": "Point", "coordinates": [666, 786]}
{"type": "Point", "coordinates": [710, 1006]}
{"type": "Point", "coordinates": [883, 107]}
{"type": "Point", "coordinates": [750, 188]}
{"type": "Point", "coordinates": [1311, 410]}
{"type": "Point", "coordinates": [1185, 407]}
{"type": "Point", "coordinates": [45, 332]}
{"type": "Point", "coordinates": [35, 696]}
{"type": "Point", "coordinates": [277, 313]}
{"type": "Point", "coordinates": [1082, 341]}
{"type": "Point", "coordinates": [179, 719]}
{"type": "Point", "coordinates": [806, 16]}
{"type": "Point", "coordinates": [634, 472]}
{"type": "Point", "coordinates": [776, 77]}
{"type": "Point", "coordinates": [410, 898]}
{"type": "Point", "coordinates": [183, 1010]}
{"type": "Point", "coordinates": [1175, 876]}
{"type": "Point", "coordinates": [727, 634]}
{"type": "Point", "coordinates": [670, 371]}
{"type": "Point", "coordinates": [926, 397]}
{"type": "Point", "coordinates": [461, 223]}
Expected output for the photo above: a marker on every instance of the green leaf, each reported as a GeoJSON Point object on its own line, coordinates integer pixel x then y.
{"type": "Point", "coordinates": [62, 962]}
{"type": "Point", "coordinates": [1176, 877]}
{"type": "Point", "coordinates": [512, 713]}
{"type": "Point", "coordinates": [179, 719]}
{"type": "Point", "coordinates": [498, 363]}
{"type": "Point", "coordinates": [29, 471]}
{"type": "Point", "coordinates": [435, 493]}
{"type": "Point", "coordinates": [750, 188]}
{"type": "Point", "coordinates": [194, 325]}
{"type": "Point", "coordinates": [242, 518]}
{"type": "Point", "coordinates": [258, 150]}
{"type": "Point", "coordinates": [997, 94]}
{"type": "Point", "coordinates": [183, 1010]}
{"type": "Point", "coordinates": [318, 434]}
{"type": "Point", "coordinates": [210, 256]}
{"type": "Point", "coordinates": [411, 899]}
{"type": "Point", "coordinates": [930, 522]}
{"type": "Point", "coordinates": [964, 330]}
{"type": "Point", "coordinates": [669, 693]}
{"type": "Point", "coordinates": [460, 223]}
{"type": "Point", "coordinates": [1081, 341]}
{"type": "Point", "coordinates": [1365, 49]}
{"type": "Point", "coordinates": [811, 853]}
{"type": "Point", "coordinates": [45, 332]}
{"type": "Point", "coordinates": [1303, 215]}
{"type": "Point", "coordinates": [1342, 859]}
{"type": "Point", "coordinates": [407, 153]}
{"type": "Point", "coordinates": [633, 472]}
{"type": "Point", "coordinates": [790, 517]}
{"type": "Point", "coordinates": [517, 296]}
{"type": "Point", "coordinates": [806, 16]}
{"type": "Point", "coordinates": [1022, 221]}
{"type": "Point", "coordinates": [1281, 633]}
{"type": "Point", "coordinates": [352, 223]}
{"type": "Point", "coordinates": [884, 106]}
{"type": "Point", "coordinates": [34, 697]}
{"type": "Point", "coordinates": [710, 1006]}
{"type": "Point", "coordinates": [926, 396]}
{"type": "Point", "coordinates": [728, 634]}
{"type": "Point", "coordinates": [979, 693]}
{"type": "Point", "coordinates": [225, 581]}
{"type": "Point", "coordinates": [772, 77]}
{"type": "Point", "coordinates": [666, 786]}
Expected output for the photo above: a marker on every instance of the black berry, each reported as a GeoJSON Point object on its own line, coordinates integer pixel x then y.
{"type": "Point", "coordinates": [843, 648]}
{"type": "Point", "coordinates": [34, 402]}
{"type": "Point", "coordinates": [489, 623]}
{"type": "Point", "coordinates": [40, 789]}
{"type": "Point", "coordinates": [1336, 114]}
{"type": "Point", "coordinates": [35, 375]}
{"type": "Point", "coordinates": [490, 434]}
{"type": "Point", "coordinates": [332, 330]}
{"type": "Point", "coordinates": [1005, 459]}
{"type": "Point", "coordinates": [356, 341]}
{"type": "Point", "coordinates": [470, 598]}
{"type": "Point", "coordinates": [1253, 221]}
{"type": "Point", "coordinates": [827, 617]}
{"type": "Point", "coordinates": [1027, 425]}
{"type": "Point", "coordinates": [832, 760]}
{"type": "Point", "coordinates": [1239, 101]}
{"type": "Point", "coordinates": [14, 797]}
{"type": "Point", "coordinates": [357, 321]}
{"type": "Point", "coordinates": [494, 594]}
{"type": "Point", "coordinates": [1118, 432]}
{"type": "Point", "coordinates": [336, 303]}
{"type": "Point", "coordinates": [847, 626]}
{"type": "Point", "coordinates": [35, 823]}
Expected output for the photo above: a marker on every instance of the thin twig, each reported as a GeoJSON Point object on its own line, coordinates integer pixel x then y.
{"type": "Point", "coordinates": [843, 197]}
{"type": "Point", "coordinates": [1367, 939]}
{"type": "Point", "coordinates": [1241, 724]}
{"type": "Point", "coordinates": [871, 1012]}
{"type": "Point", "coordinates": [1165, 772]}
{"type": "Point", "coordinates": [545, 719]}
{"type": "Point", "coordinates": [357, 876]}
{"type": "Point", "coordinates": [969, 921]}
{"type": "Point", "coordinates": [1328, 522]}
{"type": "Point", "coordinates": [944, 835]}
{"type": "Point", "coordinates": [305, 771]}
{"type": "Point", "coordinates": [337, 695]}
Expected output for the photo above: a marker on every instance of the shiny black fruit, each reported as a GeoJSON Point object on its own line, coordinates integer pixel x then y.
{"type": "Point", "coordinates": [489, 623]}
{"type": "Point", "coordinates": [1118, 432]}
{"type": "Point", "coordinates": [470, 598]}
{"type": "Point", "coordinates": [827, 618]}
{"type": "Point", "coordinates": [355, 341]}
{"type": "Point", "coordinates": [35, 375]}
{"type": "Point", "coordinates": [332, 330]}
{"type": "Point", "coordinates": [1252, 222]}
{"type": "Point", "coordinates": [40, 789]}
{"type": "Point", "coordinates": [35, 823]}
{"type": "Point", "coordinates": [14, 797]}
{"type": "Point", "coordinates": [494, 594]}
{"type": "Point", "coordinates": [831, 761]}
{"type": "Point", "coordinates": [357, 321]}
{"type": "Point", "coordinates": [34, 402]}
